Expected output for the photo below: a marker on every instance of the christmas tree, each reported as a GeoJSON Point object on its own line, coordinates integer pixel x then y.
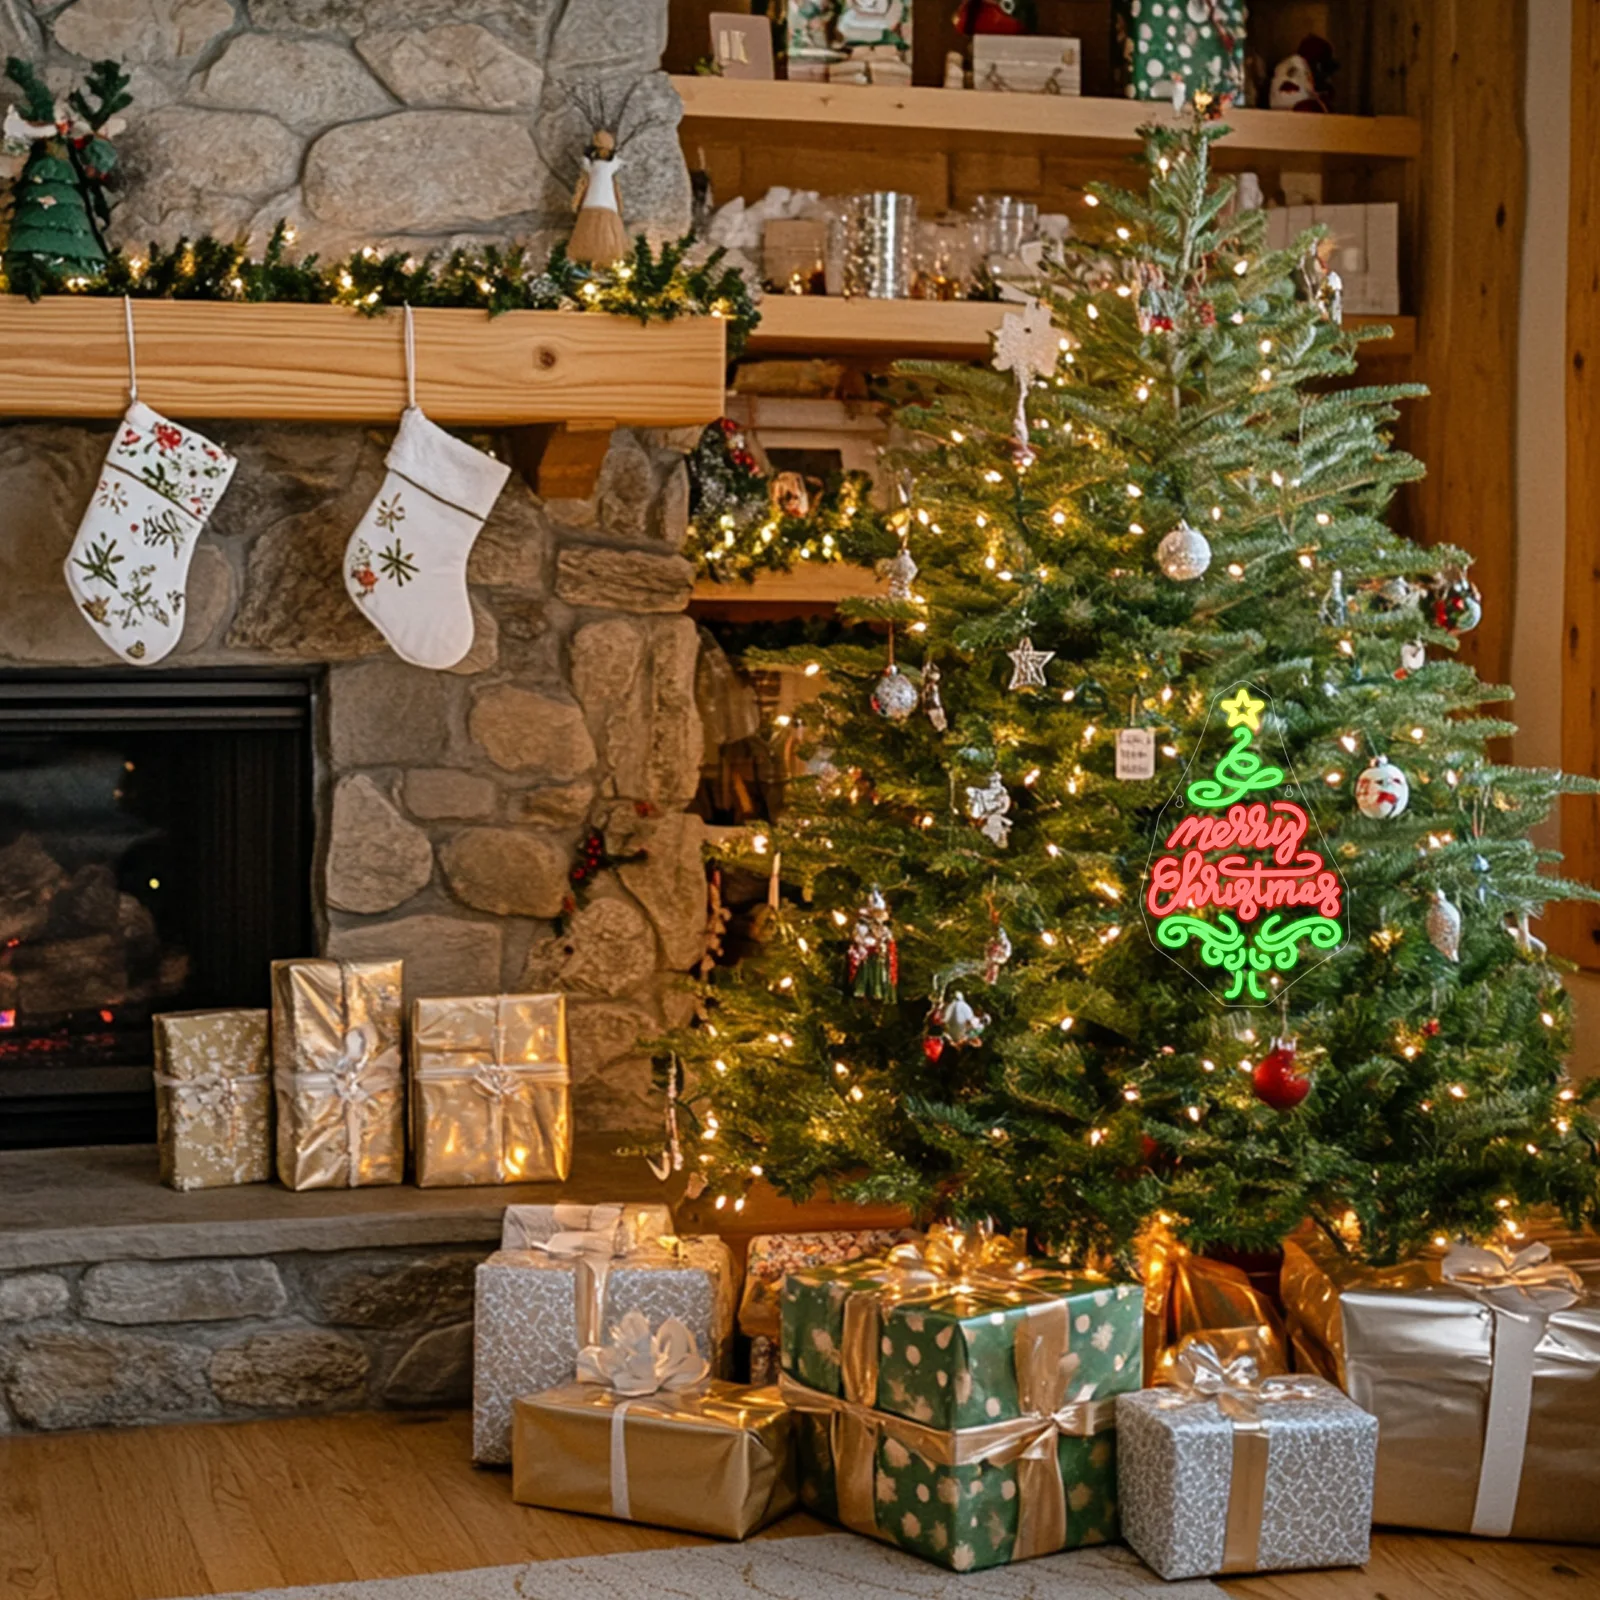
{"type": "Point", "coordinates": [1155, 865]}
{"type": "Point", "coordinates": [59, 200]}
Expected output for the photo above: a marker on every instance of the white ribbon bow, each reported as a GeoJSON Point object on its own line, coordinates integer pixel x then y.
{"type": "Point", "coordinates": [1198, 1373]}
{"type": "Point", "coordinates": [635, 1361]}
{"type": "Point", "coordinates": [1527, 1283]}
{"type": "Point", "coordinates": [214, 1094]}
{"type": "Point", "coordinates": [346, 1074]}
{"type": "Point", "coordinates": [1521, 1292]}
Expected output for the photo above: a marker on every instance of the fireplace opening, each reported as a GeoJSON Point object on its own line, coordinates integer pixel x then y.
{"type": "Point", "coordinates": [156, 841]}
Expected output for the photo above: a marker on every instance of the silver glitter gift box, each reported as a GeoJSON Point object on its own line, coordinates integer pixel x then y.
{"type": "Point", "coordinates": [538, 1306]}
{"type": "Point", "coordinates": [1227, 1472]}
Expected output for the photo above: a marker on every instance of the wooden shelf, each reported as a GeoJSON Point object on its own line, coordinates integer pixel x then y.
{"type": "Point", "coordinates": [808, 588]}
{"type": "Point", "coordinates": [67, 357]}
{"type": "Point", "coordinates": [954, 119]}
{"type": "Point", "coordinates": [944, 329]}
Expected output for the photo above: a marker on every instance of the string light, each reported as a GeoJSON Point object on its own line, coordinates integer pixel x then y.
{"type": "Point", "coordinates": [1091, 200]}
{"type": "Point", "coordinates": [1066, 1024]}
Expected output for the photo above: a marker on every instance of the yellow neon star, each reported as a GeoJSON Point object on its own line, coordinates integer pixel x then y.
{"type": "Point", "coordinates": [1243, 711]}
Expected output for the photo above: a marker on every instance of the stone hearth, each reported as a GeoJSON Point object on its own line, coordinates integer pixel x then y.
{"type": "Point", "coordinates": [122, 1302]}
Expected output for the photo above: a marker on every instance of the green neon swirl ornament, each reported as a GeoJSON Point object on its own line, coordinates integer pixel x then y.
{"type": "Point", "coordinates": [1240, 772]}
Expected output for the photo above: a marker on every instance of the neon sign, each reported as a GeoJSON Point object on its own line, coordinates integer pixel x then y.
{"type": "Point", "coordinates": [1238, 875]}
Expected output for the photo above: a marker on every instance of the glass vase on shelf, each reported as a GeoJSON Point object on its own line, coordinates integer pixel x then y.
{"type": "Point", "coordinates": [949, 252]}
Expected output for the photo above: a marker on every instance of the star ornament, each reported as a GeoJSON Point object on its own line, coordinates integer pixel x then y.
{"type": "Point", "coordinates": [1244, 712]}
{"type": "Point", "coordinates": [1027, 666]}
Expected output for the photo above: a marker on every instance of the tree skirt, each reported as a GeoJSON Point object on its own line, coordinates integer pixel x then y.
{"type": "Point", "coordinates": [841, 1566]}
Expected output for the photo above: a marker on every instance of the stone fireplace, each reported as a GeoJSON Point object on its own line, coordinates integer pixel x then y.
{"type": "Point", "coordinates": [442, 809]}
{"type": "Point", "coordinates": [447, 805]}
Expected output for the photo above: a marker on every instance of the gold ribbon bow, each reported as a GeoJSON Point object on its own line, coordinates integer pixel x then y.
{"type": "Point", "coordinates": [1199, 1376]}
{"type": "Point", "coordinates": [954, 1257]}
{"type": "Point", "coordinates": [1521, 1292]}
{"type": "Point", "coordinates": [955, 1261]}
{"type": "Point", "coordinates": [635, 1363]}
{"type": "Point", "coordinates": [855, 1431]}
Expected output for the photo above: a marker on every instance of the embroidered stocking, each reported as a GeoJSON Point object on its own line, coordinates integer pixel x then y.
{"type": "Point", "coordinates": [406, 564]}
{"type": "Point", "coordinates": [129, 562]}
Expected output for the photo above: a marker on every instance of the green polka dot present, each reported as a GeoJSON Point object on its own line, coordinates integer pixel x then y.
{"type": "Point", "coordinates": [965, 1500]}
{"type": "Point", "coordinates": [1199, 42]}
{"type": "Point", "coordinates": [954, 1400]}
{"type": "Point", "coordinates": [934, 1339]}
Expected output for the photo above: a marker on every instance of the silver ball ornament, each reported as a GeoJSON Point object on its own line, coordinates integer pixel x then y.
{"type": "Point", "coordinates": [895, 696]}
{"type": "Point", "coordinates": [1184, 554]}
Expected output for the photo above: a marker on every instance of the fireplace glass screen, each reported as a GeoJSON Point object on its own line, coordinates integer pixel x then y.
{"type": "Point", "coordinates": [155, 855]}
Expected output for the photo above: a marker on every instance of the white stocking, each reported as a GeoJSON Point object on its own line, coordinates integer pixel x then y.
{"type": "Point", "coordinates": [405, 566]}
{"type": "Point", "coordinates": [129, 562]}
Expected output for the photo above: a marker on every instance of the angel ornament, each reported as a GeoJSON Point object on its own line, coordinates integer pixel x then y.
{"type": "Point", "coordinates": [598, 237]}
{"type": "Point", "coordinates": [1026, 345]}
{"type": "Point", "coordinates": [988, 807]}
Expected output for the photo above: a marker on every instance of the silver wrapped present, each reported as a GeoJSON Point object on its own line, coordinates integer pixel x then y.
{"type": "Point", "coordinates": [537, 1307]}
{"type": "Point", "coordinates": [1224, 1471]}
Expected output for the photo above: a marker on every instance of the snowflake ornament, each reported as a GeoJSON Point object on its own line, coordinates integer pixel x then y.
{"type": "Point", "coordinates": [1026, 345]}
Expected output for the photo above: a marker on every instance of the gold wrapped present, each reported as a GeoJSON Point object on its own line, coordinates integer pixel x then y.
{"type": "Point", "coordinates": [336, 1071]}
{"type": "Point", "coordinates": [213, 1098]}
{"type": "Point", "coordinates": [491, 1091]}
{"type": "Point", "coordinates": [646, 1436]}
{"type": "Point", "coordinates": [1191, 1299]}
{"type": "Point", "coordinates": [1483, 1369]}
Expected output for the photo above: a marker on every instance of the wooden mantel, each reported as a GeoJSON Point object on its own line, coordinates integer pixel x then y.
{"type": "Point", "coordinates": [567, 377]}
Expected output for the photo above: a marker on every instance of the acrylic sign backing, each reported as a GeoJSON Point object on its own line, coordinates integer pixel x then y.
{"type": "Point", "coordinates": [1240, 890]}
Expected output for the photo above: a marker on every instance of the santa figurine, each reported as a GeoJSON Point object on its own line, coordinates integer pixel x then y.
{"type": "Point", "coordinates": [598, 237]}
{"type": "Point", "coordinates": [995, 16]}
{"type": "Point", "coordinates": [1304, 81]}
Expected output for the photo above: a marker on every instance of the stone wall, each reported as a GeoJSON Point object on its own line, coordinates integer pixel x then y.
{"type": "Point", "coordinates": [123, 1342]}
{"type": "Point", "coordinates": [452, 802]}
{"type": "Point", "coordinates": [404, 122]}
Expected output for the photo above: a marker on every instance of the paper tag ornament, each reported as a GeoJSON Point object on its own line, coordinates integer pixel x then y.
{"type": "Point", "coordinates": [1136, 753]}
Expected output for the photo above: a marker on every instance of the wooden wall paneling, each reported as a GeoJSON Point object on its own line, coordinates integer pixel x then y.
{"type": "Point", "coordinates": [1458, 65]}
{"type": "Point", "coordinates": [1574, 930]}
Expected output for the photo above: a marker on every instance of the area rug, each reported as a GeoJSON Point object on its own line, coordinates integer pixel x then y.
{"type": "Point", "coordinates": [837, 1566]}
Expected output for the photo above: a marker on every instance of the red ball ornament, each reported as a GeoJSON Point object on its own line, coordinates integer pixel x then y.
{"type": "Point", "coordinates": [1275, 1080]}
{"type": "Point", "coordinates": [1148, 1149]}
{"type": "Point", "coordinates": [933, 1047]}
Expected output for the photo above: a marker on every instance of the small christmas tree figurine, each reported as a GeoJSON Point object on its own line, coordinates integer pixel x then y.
{"type": "Point", "coordinates": [60, 205]}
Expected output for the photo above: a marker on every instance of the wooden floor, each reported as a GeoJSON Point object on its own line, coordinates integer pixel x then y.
{"type": "Point", "coordinates": [152, 1513]}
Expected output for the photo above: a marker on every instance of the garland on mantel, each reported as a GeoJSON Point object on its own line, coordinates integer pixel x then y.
{"type": "Point", "coordinates": [653, 286]}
